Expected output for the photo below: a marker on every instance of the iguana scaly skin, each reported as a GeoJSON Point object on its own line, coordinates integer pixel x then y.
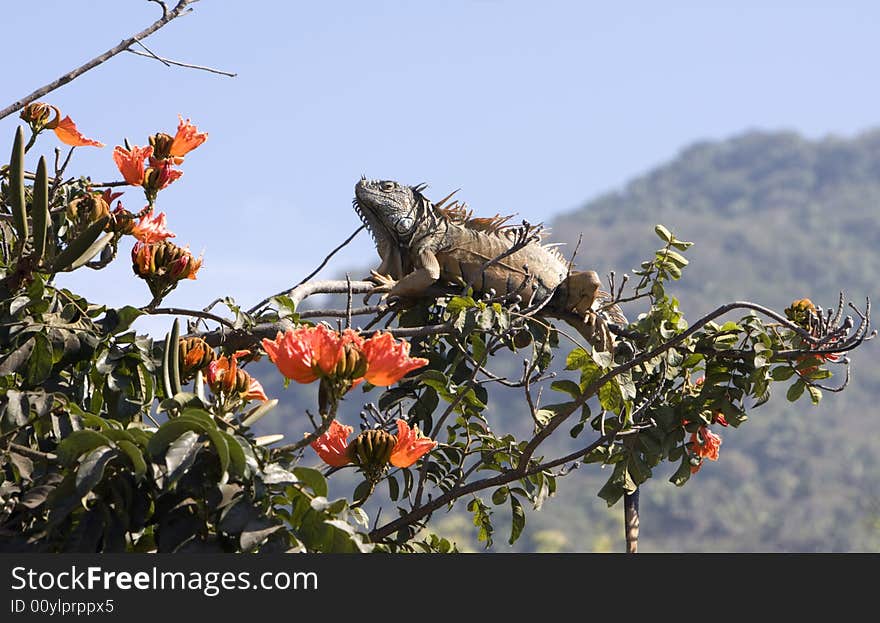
{"type": "Point", "coordinates": [422, 243]}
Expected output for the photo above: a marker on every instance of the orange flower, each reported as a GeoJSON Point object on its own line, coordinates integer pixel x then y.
{"type": "Point", "coordinates": [151, 228]}
{"type": "Point", "coordinates": [332, 446]}
{"type": "Point", "coordinates": [159, 175]}
{"type": "Point", "coordinates": [705, 445]}
{"type": "Point", "coordinates": [131, 163]}
{"type": "Point", "coordinates": [388, 361]}
{"type": "Point", "coordinates": [68, 134]}
{"type": "Point", "coordinates": [411, 445]}
{"type": "Point", "coordinates": [304, 353]}
{"type": "Point", "coordinates": [187, 138]}
{"type": "Point", "coordinates": [224, 376]}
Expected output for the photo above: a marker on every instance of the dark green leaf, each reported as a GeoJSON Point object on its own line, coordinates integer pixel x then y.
{"type": "Point", "coordinates": [517, 520]}
{"type": "Point", "coordinates": [79, 442]}
{"type": "Point", "coordinates": [91, 470]}
{"type": "Point", "coordinates": [313, 479]}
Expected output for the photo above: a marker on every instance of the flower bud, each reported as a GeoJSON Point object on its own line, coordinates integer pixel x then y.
{"type": "Point", "coordinates": [194, 355]}
{"type": "Point", "coordinates": [37, 115]}
{"type": "Point", "coordinates": [371, 451]}
{"type": "Point", "coordinates": [801, 312]}
{"type": "Point", "coordinates": [352, 363]}
{"type": "Point", "coordinates": [161, 144]}
{"type": "Point", "coordinates": [88, 208]}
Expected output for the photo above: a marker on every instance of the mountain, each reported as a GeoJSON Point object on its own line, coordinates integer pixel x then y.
{"type": "Point", "coordinates": [774, 217]}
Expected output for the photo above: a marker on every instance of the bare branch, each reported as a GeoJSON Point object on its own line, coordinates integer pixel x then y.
{"type": "Point", "coordinates": [167, 16]}
{"type": "Point", "coordinates": [168, 61]}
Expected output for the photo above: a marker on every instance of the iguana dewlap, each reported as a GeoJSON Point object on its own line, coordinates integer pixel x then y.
{"type": "Point", "coordinates": [422, 243]}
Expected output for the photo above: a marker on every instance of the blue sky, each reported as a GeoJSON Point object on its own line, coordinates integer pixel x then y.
{"type": "Point", "coordinates": [528, 107]}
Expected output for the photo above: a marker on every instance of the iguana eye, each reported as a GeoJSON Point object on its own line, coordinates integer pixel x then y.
{"type": "Point", "coordinates": [387, 186]}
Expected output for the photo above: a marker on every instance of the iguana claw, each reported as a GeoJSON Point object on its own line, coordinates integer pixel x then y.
{"type": "Point", "coordinates": [384, 285]}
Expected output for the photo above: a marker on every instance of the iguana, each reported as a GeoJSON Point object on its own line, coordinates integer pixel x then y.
{"type": "Point", "coordinates": [422, 243]}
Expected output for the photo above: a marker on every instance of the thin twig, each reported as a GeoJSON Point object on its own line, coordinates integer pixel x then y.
{"type": "Point", "coordinates": [177, 311]}
{"type": "Point", "coordinates": [290, 292]}
{"type": "Point", "coordinates": [167, 16]}
{"type": "Point", "coordinates": [169, 61]}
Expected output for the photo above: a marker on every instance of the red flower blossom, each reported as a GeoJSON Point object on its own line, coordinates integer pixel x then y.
{"type": "Point", "coordinates": [131, 162]}
{"type": "Point", "coordinates": [302, 354]}
{"type": "Point", "coordinates": [224, 376]}
{"type": "Point", "coordinates": [388, 361]}
{"type": "Point", "coordinates": [705, 445]}
{"type": "Point", "coordinates": [411, 445]}
{"type": "Point", "coordinates": [187, 138]}
{"type": "Point", "coordinates": [151, 228]}
{"type": "Point", "coordinates": [332, 446]}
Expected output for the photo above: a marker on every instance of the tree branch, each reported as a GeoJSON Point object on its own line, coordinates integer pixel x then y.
{"type": "Point", "coordinates": [167, 16]}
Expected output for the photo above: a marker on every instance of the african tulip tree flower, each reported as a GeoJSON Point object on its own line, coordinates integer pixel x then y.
{"type": "Point", "coordinates": [332, 446]}
{"type": "Point", "coordinates": [187, 138]}
{"type": "Point", "coordinates": [388, 361]}
{"type": "Point", "coordinates": [130, 162]}
{"type": "Point", "coordinates": [305, 353]}
{"type": "Point", "coordinates": [411, 445]}
{"type": "Point", "coordinates": [194, 354]}
{"type": "Point", "coordinates": [37, 115]}
{"type": "Point", "coordinates": [225, 377]}
{"type": "Point", "coordinates": [705, 445]}
{"type": "Point", "coordinates": [151, 228]}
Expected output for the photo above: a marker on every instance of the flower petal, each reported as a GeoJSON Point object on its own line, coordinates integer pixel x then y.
{"type": "Point", "coordinates": [131, 162]}
{"type": "Point", "coordinates": [292, 355]}
{"type": "Point", "coordinates": [388, 361]}
{"type": "Point", "coordinates": [187, 138]}
{"type": "Point", "coordinates": [151, 228]}
{"type": "Point", "coordinates": [411, 445]}
{"type": "Point", "coordinates": [68, 134]}
{"type": "Point", "coordinates": [332, 446]}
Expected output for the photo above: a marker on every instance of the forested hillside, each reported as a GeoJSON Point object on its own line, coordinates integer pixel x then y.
{"type": "Point", "coordinates": [775, 217]}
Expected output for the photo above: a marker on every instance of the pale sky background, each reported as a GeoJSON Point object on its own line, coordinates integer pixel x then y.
{"type": "Point", "coordinates": [529, 107]}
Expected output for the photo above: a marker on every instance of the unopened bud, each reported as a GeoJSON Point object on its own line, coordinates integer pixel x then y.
{"type": "Point", "coordinates": [194, 355]}
{"type": "Point", "coordinates": [371, 451]}
{"type": "Point", "coordinates": [88, 208]}
{"type": "Point", "coordinates": [37, 115]}
{"type": "Point", "coordinates": [161, 144]}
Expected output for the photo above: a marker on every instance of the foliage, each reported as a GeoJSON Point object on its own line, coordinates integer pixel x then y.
{"type": "Point", "coordinates": [111, 441]}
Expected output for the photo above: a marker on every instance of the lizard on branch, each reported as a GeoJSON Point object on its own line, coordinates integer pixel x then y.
{"type": "Point", "coordinates": [423, 243]}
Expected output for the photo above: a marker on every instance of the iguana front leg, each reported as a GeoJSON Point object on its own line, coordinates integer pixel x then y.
{"type": "Point", "coordinates": [426, 270]}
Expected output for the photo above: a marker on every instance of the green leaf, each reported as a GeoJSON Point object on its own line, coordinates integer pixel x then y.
{"type": "Point", "coordinates": [136, 457]}
{"type": "Point", "coordinates": [664, 234]}
{"type": "Point", "coordinates": [170, 431]}
{"type": "Point", "coordinates": [577, 359]}
{"type": "Point", "coordinates": [237, 459]}
{"type": "Point", "coordinates": [181, 454]}
{"type": "Point", "coordinates": [610, 396]}
{"type": "Point", "coordinates": [79, 442]}
{"type": "Point", "coordinates": [794, 392]}
{"type": "Point", "coordinates": [313, 479]}
{"type": "Point", "coordinates": [568, 386]}
{"type": "Point", "coordinates": [221, 447]}
{"type": "Point", "coordinates": [393, 488]}
{"type": "Point", "coordinates": [91, 470]}
{"type": "Point", "coordinates": [517, 519]}
{"type": "Point", "coordinates": [815, 394]}
{"type": "Point", "coordinates": [83, 247]}
{"type": "Point", "coordinates": [499, 496]}
{"type": "Point", "coordinates": [781, 373]}
{"type": "Point", "coordinates": [683, 473]}
{"type": "Point", "coordinates": [39, 364]}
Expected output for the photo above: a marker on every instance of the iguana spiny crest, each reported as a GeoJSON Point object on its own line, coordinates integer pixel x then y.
{"type": "Point", "coordinates": [422, 243]}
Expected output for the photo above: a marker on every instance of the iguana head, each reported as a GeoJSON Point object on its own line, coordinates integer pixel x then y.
{"type": "Point", "coordinates": [390, 209]}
